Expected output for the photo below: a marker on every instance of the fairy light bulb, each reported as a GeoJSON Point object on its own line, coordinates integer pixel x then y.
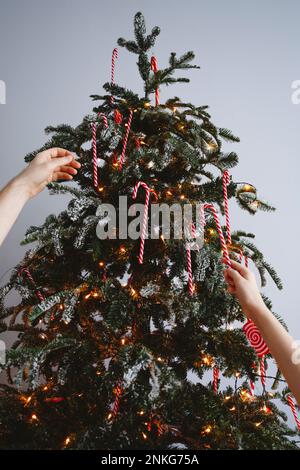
{"type": "Point", "coordinates": [233, 408]}
{"type": "Point", "coordinates": [182, 197]}
{"type": "Point", "coordinates": [101, 264]}
{"type": "Point", "coordinates": [207, 429]}
{"type": "Point", "coordinates": [100, 189]}
{"type": "Point", "coordinates": [67, 441]}
{"type": "Point", "coordinates": [123, 341]}
{"type": "Point", "coordinates": [109, 416]}
{"type": "Point", "coordinates": [34, 417]}
{"type": "Point", "coordinates": [141, 413]}
{"type": "Point", "coordinates": [147, 105]}
{"type": "Point", "coordinates": [144, 435]}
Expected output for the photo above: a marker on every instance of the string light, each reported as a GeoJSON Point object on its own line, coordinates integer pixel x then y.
{"type": "Point", "coordinates": [122, 250]}
{"type": "Point", "coordinates": [144, 435]}
{"type": "Point", "coordinates": [45, 388]}
{"type": "Point", "coordinates": [141, 413]}
{"type": "Point", "coordinates": [67, 441]}
{"type": "Point", "coordinates": [101, 264]}
{"type": "Point", "coordinates": [123, 341]}
{"type": "Point", "coordinates": [98, 372]}
{"type": "Point", "coordinates": [43, 336]}
{"type": "Point", "coordinates": [182, 197]}
{"type": "Point", "coordinates": [95, 295]}
{"type": "Point", "coordinates": [147, 105]}
{"type": "Point", "coordinates": [266, 409]}
{"type": "Point", "coordinates": [34, 417]}
{"type": "Point", "coordinates": [233, 408]}
{"type": "Point", "coordinates": [100, 189]}
{"type": "Point", "coordinates": [237, 374]}
{"type": "Point", "coordinates": [227, 398]}
{"type": "Point", "coordinates": [169, 193]}
{"type": "Point", "coordinates": [61, 307]}
{"type": "Point", "coordinates": [207, 360]}
{"type": "Point", "coordinates": [109, 416]}
{"type": "Point", "coordinates": [87, 296]}
{"type": "Point", "coordinates": [258, 424]}
{"type": "Point", "coordinates": [159, 359]}
{"type": "Point", "coordinates": [207, 430]}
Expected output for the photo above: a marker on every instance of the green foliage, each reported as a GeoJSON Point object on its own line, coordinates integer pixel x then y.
{"type": "Point", "coordinates": [108, 321]}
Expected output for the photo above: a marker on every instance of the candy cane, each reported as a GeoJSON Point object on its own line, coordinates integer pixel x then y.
{"type": "Point", "coordinates": [113, 61]}
{"type": "Point", "coordinates": [119, 393]}
{"type": "Point", "coordinates": [262, 371]}
{"type": "Point", "coordinates": [216, 374]}
{"type": "Point", "coordinates": [293, 408]}
{"type": "Point", "coordinates": [154, 67]}
{"type": "Point", "coordinates": [189, 270]}
{"type": "Point", "coordinates": [125, 140]}
{"type": "Point", "coordinates": [145, 217]}
{"type": "Point", "coordinates": [104, 118]}
{"type": "Point", "coordinates": [226, 181]}
{"type": "Point", "coordinates": [252, 387]}
{"type": "Point", "coordinates": [189, 262]}
{"type": "Point", "coordinates": [28, 274]}
{"type": "Point", "coordinates": [211, 207]}
{"type": "Point", "coordinates": [95, 165]}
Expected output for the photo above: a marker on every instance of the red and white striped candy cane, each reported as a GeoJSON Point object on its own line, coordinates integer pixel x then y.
{"type": "Point", "coordinates": [189, 270]}
{"type": "Point", "coordinates": [125, 140]}
{"type": "Point", "coordinates": [293, 408]}
{"type": "Point", "coordinates": [212, 208]}
{"type": "Point", "coordinates": [104, 118]}
{"type": "Point", "coordinates": [114, 56]}
{"type": "Point", "coordinates": [145, 216]}
{"type": "Point", "coordinates": [216, 375]}
{"type": "Point", "coordinates": [252, 387]}
{"type": "Point", "coordinates": [116, 406]}
{"type": "Point", "coordinates": [189, 263]}
{"type": "Point", "coordinates": [226, 181]}
{"type": "Point", "coordinates": [28, 274]}
{"type": "Point", "coordinates": [202, 217]}
{"type": "Point", "coordinates": [95, 163]}
{"type": "Point", "coordinates": [154, 68]}
{"type": "Point", "coordinates": [262, 371]}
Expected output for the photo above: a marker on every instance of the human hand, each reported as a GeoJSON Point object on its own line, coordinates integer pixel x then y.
{"type": "Point", "coordinates": [241, 282]}
{"type": "Point", "coordinates": [50, 165]}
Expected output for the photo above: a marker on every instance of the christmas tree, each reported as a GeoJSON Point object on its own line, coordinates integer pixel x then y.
{"type": "Point", "coordinates": [136, 344]}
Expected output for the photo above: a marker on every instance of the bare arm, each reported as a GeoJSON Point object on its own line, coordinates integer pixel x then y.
{"type": "Point", "coordinates": [50, 165]}
{"type": "Point", "coordinates": [241, 282]}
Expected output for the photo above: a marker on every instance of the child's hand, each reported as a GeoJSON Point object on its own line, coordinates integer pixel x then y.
{"type": "Point", "coordinates": [51, 165]}
{"type": "Point", "coordinates": [241, 282]}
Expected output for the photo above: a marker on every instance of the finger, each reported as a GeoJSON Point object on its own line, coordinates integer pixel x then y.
{"type": "Point", "coordinates": [241, 269]}
{"type": "Point", "coordinates": [57, 152]}
{"type": "Point", "coordinates": [234, 275]}
{"type": "Point", "coordinates": [231, 290]}
{"type": "Point", "coordinates": [68, 169]}
{"type": "Point", "coordinates": [75, 163]}
{"type": "Point", "coordinates": [228, 279]}
{"type": "Point", "coordinates": [59, 175]}
{"type": "Point", "coordinates": [59, 162]}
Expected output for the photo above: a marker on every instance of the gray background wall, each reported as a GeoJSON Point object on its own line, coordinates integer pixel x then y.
{"type": "Point", "coordinates": [54, 54]}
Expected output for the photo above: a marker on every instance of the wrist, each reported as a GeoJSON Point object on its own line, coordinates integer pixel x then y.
{"type": "Point", "coordinates": [21, 187]}
{"type": "Point", "coordinates": [257, 310]}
